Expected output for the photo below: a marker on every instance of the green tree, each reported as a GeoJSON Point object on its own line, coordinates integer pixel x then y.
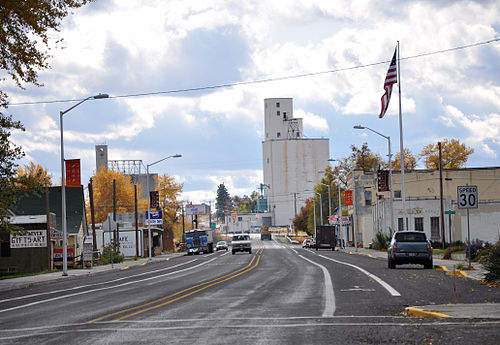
{"type": "Point", "coordinates": [9, 153]}
{"type": "Point", "coordinates": [222, 202]}
{"type": "Point", "coordinates": [453, 154]}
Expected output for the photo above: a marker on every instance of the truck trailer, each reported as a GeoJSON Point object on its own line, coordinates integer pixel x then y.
{"type": "Point", "coordinates": [325, 237]}
{"type": "Point", "coordinates": [199, 241]}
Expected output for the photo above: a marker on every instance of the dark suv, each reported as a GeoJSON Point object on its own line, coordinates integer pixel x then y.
{"type": "Point", "coordinates": [409, 247]}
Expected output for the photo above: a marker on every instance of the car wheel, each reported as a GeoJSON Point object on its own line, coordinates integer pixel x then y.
{"type": "Point", "coordinates": [429, 265]}
{"type": "Point", "coordinates": [232, 252]}
{"type": "Point", "coordinates": [249, 251]}
{"type": "Point", "coordinates": [391, 263]}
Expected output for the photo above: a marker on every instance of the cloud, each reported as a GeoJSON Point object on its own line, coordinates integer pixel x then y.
{"type": "Point", "coordinates": [481, 129]}
{"type": "Point", "coordinates": [312, 121]}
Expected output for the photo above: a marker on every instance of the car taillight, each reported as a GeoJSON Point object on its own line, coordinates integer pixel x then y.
{"type": "Point", "coordinates": [394, 247]}
{"type": "Point", "coordinates": [429, 248]}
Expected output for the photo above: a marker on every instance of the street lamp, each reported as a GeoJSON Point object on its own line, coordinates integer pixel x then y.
{"type": "Point", "coordinates": [390, 169]}
{"type": "Point", "coordinates": [63, 181]}
{"type": "Point", "coordinates": [149, 199]}
{"type": "Point", "coordinates": [339, 207]}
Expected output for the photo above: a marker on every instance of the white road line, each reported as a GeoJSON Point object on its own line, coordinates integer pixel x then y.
{"type": "Point", "coordinates": [259, 326]}
{"type": "Point", "coordinates": [104, 288]}
{"type": "Point", "coordinates": [386, 286]}
{"type": "Point", "coordinates": [95, 284]}
{"type": "Point", "coordinates": [329, 294]}
{"type": "Point", "coordinates": [293, 250]}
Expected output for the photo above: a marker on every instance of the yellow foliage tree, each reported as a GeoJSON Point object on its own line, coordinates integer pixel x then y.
{"type": "Point", "coordinates": [409, 160]}
{"type": "Point", "coordinates": [34, 176]}
{"type": "Point", "coordinates": [169, 191]}
{"type": "Point", "coordinates": [454, 154]}
{"type": "Point", "coordinates": [103, 194]}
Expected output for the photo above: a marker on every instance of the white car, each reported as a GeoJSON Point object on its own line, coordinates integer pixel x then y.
{"type": "Point", "coordinates": [221, 245]}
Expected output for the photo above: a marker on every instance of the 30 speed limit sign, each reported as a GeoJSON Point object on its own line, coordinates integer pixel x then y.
{"type": "Point", "coordinates": [467, 196]}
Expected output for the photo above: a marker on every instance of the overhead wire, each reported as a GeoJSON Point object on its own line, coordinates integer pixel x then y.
{"type": "Point", "coordinates": [267, 80]}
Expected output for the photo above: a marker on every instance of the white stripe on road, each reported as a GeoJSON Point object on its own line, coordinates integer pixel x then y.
{"type": "Point", "coordinates": [293, 250]}
{"type": "Point", "coordinates": [329, 295]}
{"type": "Point", "coordinates": [95, 284]}
{"type": "Point", "coordinates": [104, 288]}
{"type": "Point", "coordinates": [386, 286]}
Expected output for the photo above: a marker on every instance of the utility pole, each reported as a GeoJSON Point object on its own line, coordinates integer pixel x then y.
{"type": "Point", "coordinates": [441, 194]}
{"type": "Point", "coordinates": [92, 216]}
{"type": "Point", "coordinates": [115, 235]}
{"type": "Point", "coordinates": [136, 223]}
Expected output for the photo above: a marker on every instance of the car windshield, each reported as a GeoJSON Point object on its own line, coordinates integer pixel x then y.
{"type": "Point", "coordinates": [411, 237]}
{"type": "Point", "coordinates": [221, 243]}
{"type": "Point", "coordinates": [241, 238]}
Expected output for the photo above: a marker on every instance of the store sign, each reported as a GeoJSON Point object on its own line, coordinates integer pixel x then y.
{"type": "Point", "coordinates": [383, 180]}
{"type": "Point", "coordinates": [155, 218]}
{"type": "Point", "coordinates": [348, 197]}
{"type": "Point", "coordinates": [192, 210]}
{"type": "Point", "coordinates": [73, 178]}
{"type": "Point", "coordinates": [29, 239]}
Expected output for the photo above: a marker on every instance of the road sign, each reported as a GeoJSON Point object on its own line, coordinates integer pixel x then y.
{"type": "Point", "coordinates": [450, 212]}
{"type": "Point", "coordinates": [467, 197]}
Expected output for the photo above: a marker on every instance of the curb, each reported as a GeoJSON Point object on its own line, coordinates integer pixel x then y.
{"type": "Point", "coordinates": [418, 312]}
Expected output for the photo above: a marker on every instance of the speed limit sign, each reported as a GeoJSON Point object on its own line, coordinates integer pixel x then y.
{"type": "Point", "coordinates": [467, 196]}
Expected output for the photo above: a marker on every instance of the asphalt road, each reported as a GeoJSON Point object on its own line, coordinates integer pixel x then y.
{"type": "Point", "coordinates": [280, 294]}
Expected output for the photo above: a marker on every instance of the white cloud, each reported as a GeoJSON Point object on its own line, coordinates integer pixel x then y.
{"type": "Point", "coordinates": [481, 128]}
{"type": "Point", "coordinates": [311, 120]}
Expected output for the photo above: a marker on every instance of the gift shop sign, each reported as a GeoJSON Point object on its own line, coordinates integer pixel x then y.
{"type": "Point", "coordinates": [29, 239]}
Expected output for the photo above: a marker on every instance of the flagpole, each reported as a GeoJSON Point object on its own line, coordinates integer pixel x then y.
{"type": "Point", "coordinates": [403, 194]}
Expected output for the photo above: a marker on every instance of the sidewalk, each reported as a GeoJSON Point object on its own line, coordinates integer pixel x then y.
{"type": "Point", "coordinates": [27, 281]}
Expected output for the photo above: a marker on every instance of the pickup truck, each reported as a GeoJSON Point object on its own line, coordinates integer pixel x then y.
{"type": "Point", "coordinates": [241, 243]}
{"type": "Point", "coordinates": [409, 247]}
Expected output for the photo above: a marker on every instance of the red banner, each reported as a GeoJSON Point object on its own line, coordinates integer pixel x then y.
{"type": "Point", "coordinates": [348, 197]}
{"type": "Point", "coordinates": [73, 173]}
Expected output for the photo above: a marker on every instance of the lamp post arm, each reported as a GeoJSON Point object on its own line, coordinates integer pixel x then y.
{"type": "Point", "coordinates": [374, 131]}
{"type": "Point", "coordinates": [161, 160]}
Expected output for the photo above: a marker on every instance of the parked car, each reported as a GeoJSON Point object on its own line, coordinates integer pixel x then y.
{"type": "Point", "coordinates": [409, 247]}
{"type": "Point", "coordinates": [308, 243]}
{"type": "Point", "coordinates": [221, 245]}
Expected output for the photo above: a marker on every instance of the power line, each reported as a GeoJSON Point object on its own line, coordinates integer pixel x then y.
{"type": "Point", "coordinates": [267, 80]}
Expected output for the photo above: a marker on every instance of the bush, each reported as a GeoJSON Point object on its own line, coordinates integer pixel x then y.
{"type": "Point", "coordinates": [451, 250]}
{"type": "Point", "coordinates": [493, 266]}
{"type": "Point", "coordinates": [381, 241]}
{"type": "Point", "coordinates": [107, 253]}
{"type": "Point", "coordinates": [475, 248]}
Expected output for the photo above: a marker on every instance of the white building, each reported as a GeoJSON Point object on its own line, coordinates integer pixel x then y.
{"type": "Point", "coordinates": [289, 161]}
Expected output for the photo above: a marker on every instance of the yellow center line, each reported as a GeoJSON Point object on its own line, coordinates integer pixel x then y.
{"type": "Point", "coordinates": [188, 294]}
{"type": "Point", "coordinates": [174, 294]}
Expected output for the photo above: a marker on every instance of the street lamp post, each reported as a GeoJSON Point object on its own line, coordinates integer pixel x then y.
{"type": "Point", "coordinates": [339, 207]}
{"type": "Point", "coordinates": [63, 181]}
{"type": "Point", "coordinates": [149, 199]}
{"type": "Point", "coordinates": [390, 169]}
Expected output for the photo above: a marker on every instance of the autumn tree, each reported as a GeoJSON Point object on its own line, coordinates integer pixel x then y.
{"type": "Point", "coordinates": [25, 36]}
{"type": "Point", "coordinates": [103, 193]}
{"type": "Point", "coordinates": [169, 191]}
{"type": "Point", "coordinates": [301, 220]}
{"type": "Point", "coordinates": [410, 161]}
{"type": "Point", "coordinates": [453, 154]}
{"type": "Point", "coordinates": [35, 172]}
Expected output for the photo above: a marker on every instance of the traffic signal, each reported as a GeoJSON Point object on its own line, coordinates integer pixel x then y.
{"type": "Point", "coordinates": [154, 199]}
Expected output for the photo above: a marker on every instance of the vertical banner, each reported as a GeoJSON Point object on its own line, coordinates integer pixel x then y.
{"type": "Point", "coordinates": [73, 173]}
{"type": "Point", "coordinates": [348, 197]}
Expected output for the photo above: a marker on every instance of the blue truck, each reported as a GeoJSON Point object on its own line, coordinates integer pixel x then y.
{"type": "Point", "coordinates": [199, 241]}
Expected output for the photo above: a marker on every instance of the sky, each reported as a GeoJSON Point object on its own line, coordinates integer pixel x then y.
{"type": "Point", "coordinates": [127, 47]}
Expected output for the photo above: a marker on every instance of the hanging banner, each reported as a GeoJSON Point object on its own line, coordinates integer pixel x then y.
{"type": "Point", "coordinates": [348, 197]}
{"type": "Point", "coordinates": [73, 173]}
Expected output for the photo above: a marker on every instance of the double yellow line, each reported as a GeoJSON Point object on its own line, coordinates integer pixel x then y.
{"type": "Point", "coordinates": [161, 302]}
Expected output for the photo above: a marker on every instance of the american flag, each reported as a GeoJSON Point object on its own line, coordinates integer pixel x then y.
{"type": "Point", "coordinates": [390, 79]}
